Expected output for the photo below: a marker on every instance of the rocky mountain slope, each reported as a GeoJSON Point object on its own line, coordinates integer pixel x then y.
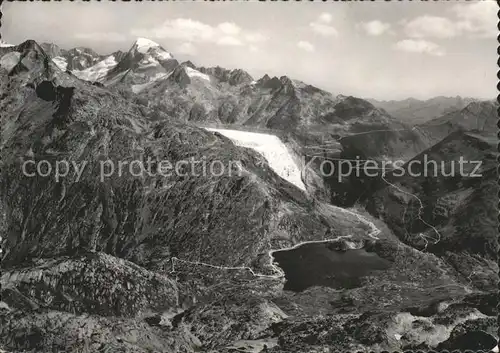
{"type": "Point", "coordinates": [478, 117]}
{"type": "Point", "coordinates": [82, 62]}
{"type": "Point", "coordinates": [445, 210]}
{"type": "Point", "coordinates": [137, 261]}
{"type": "Point", "coordinates": [84, 122]}
{"type": "Point", "coordinates": [395, 143]}
{"type": "Point", "coordinates": [75, 59]}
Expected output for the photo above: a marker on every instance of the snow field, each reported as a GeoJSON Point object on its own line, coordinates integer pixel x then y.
{"type": "Point", "coordinates": [273, 150]}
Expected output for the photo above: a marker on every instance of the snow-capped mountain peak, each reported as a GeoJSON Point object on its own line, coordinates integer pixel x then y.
{"type": "Point", "coordinates": [147, 46]}
{"type": "Point", "coordinates": [143, 45]}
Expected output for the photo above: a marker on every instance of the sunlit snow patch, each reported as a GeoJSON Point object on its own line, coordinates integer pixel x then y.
{"type": "Point", "coordinates": [148, 61]}
{"type": "Point", "coordinates": [271, 147]}
{"type": "Point", "coordinates": [60, 62]}
{"type": "Point", "coordinates": [195, 73]}
{"type": "Point", "coordinates": [163, 55]}
{"type": "Point", "coordinates": [143, 45]}
{"type": "Point", "coordinates": [5, 45]}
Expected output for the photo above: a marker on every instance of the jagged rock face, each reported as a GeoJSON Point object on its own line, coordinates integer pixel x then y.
{"type": "Point", "coordinates": [279, 104]}
{"type": "Point", "coordinates": [233, 77]}
{"type": "Point", "coordinates": [98, 71]}
{"type": "Point", "coordinates": [215, 95]}
{"type": "Point", "coordinates": [218, 95]}
{"type": "Point", "coordinates": [52, 50]}
{"type": "Point", "coordinates": [69, 284]}
{"type": "Point", "coordinates": [231, 97]}
{"type": "Point", "coordinates": [74, 59]}
{"type": "Point", "coordinates": [81, 58]}
{"type": "Point", "coordinates": [83, 62]}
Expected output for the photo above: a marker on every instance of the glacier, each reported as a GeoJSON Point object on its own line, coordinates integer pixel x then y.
{"type": "Point", "coordinates": [97, 71]}
{"type": "Point", "coordinates": [273, 150]}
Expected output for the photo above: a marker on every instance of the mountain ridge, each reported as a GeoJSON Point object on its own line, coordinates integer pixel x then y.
{"type": "Point", "coordinates": [417, 111]}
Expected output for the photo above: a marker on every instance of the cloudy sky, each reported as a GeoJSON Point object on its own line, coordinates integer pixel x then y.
{"type": "Point", "coordinates": [382, 50]}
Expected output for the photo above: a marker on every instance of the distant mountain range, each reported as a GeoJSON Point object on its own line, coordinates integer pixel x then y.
{"type": "Point", "coordinates": [414, 111]}
{"type": "Point", "coordinates": [265, 102]}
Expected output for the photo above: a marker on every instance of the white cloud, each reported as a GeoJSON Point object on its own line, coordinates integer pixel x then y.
{"type": "Point", "coordinates": [325, 18]}
{"type": "Point", "coordinates": [193, 31]}
{"type": "Point", "coordinates": [186, 48]}
{"type": "Point", "coordinates": [305, 46]}
{"type": "Point", "coordinates": [254, 48]}
{"type": "Point", "coordinates": [375, 28]}
{"type": "Point", "coordinates": [229, 28]}
{"type": "Point", "coordinates": [229, 41]}
{"type": "Point", "coordinates": [321, 25]}
{"type": "Point", "coordinates": [102, 36]}
{"type": "Point", "coordinates": [419, 46]}
{"type": "Point", "coordinates": [476, 19]}
{"type": "Point", "coordinates": [180, 28]}
{"type": "Point", "coordinates": [431, 26]}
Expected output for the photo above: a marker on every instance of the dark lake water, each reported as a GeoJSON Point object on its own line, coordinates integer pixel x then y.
{"type": "Point", "coordinates": [320, 264]}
